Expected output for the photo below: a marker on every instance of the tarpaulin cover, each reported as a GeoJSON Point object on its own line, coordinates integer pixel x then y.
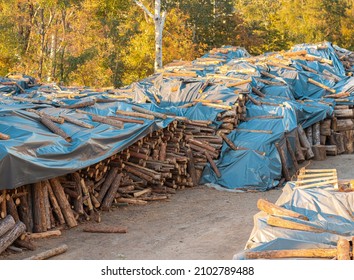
{"type": "Point", "coordinates": [327, 209]}
{"type": "Point", "coordinates": [34, 153]}
{"type": "Point", "coordinates": [248, 169]}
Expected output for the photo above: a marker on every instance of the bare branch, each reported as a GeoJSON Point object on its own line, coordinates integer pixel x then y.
{"type": "Point", "coordinates": [141, 5]}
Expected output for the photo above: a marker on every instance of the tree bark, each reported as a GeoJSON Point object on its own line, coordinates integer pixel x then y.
{"type": "Point", "coordinates": [49, 253]}
{"type": "Point", "coordinates": [9, 237]}
{"type": "Point", "coordinates": [63, 202]}
{"type": "Point", "coordinates": [6, 224]}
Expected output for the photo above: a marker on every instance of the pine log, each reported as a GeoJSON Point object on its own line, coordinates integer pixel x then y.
{"type": "Point", "coordinates": [47, 209]}
{"type": "Point", "coordinates": [11, 208]}
{"type": "Point", "coordinates": [51, 233]}
{"type": "Point", "coordinates": [55, 129]}
{"type": "Point", "coordinates": [325, 127]}
{"type": "Point", "coordinates": [319, 152]}
{"type": "Point", "coordinates": [39, 215]}
{"type": "Point", "coordinates": [78, 202]}
{"type": "Point", "coordinates": [134, 114]}
{"type": "Point", "coordinates": [77, 122]}
{"type": "Point", "coordinates": [111, 193]}
{"type": "Point", "coordinates": [30, 206]}
{"type": "Point", "coordinates": [63, 202]}
{"type": "Point", "coordinates": [348, 141]}
{"type": "Point", "coordinates": [10, 236]}
{"type": "Point", "coordinates": [148, 112]}
{"type": "Point", "coordinates": [343, 249]}
{"type": "Point", "coordinates": [49, 253]}
{"type": "Point", "coordinates": [298, 151]}
{"type": "Point", "coordinates": [309, 135]}
{"type": "Point", "coordinates": [162, 152]}
{"type": "Point", "coordinates": [316, 134]}
{"type": "Point", "coordinates": [212, 164]}
{"type": "Point", "coordinates": [111, 122]}
{"type": "Point", "coordinates": [292, 153]}
{"type": "Point", "coordinates": [344, 113]}
{"type": "Point", "coordinates": [25, 213]}
{"type": "Point", "coordinates": [107, 183]}
{"type": "Point", "coordinates": [331, 150]}
{"type": "Point", "coordinates": [304, 142]}
{"type": "Point", "coordinates": [55, 205]}
{"type": "Point", "coordinates": [25, 243]}
{"type": "Point", "coordinates": [296, 253]}
{"type": "Point", "coordinates": [6, 224]}
{"type": "Point", "coordinates": [86, 193]}
{"type": "Point", "coordinates": [323, 140]}
{"type": "Point", "coordinates": [338, 140]}
{"type": "Point", "coordinates": [80, 104]}
{"type": "Point", "coordinates": [4, 136]}
{"type": "Point", "coordinates": [191, 167]}
{"type": "Point", "coordinates": [3, 209]}
{"type": "Point", "coordinates": [99, 228]}
{"type": "Point", "coordinates": [345, 124]}
{"type": "Point", "coordinates": [273, 209]}
{"type": "Point", "coordinates": [282, 223]}
{"type": "Point", "coordinates": [228, 142]}
{"type": "Point", "coordinates": [284, 165]}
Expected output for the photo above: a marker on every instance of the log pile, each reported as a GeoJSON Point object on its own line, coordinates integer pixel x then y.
{"type": "Point", "coordinates": [151, 169]}
{"type": "Point", "coordinates": [347, 58]}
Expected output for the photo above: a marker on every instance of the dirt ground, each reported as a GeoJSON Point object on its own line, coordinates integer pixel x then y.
{"type": "Point", "coordinates": [198, 224]}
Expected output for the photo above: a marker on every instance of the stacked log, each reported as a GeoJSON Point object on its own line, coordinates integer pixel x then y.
{"type": "Point", "coordinates": [151, 169]}
{"type": "Point", "coordinates": [231, 118]}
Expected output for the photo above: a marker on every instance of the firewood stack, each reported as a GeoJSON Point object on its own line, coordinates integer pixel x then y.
{"type": "Point", "coordinates": [347, 58]}
{"type": "Point", "coordinates": [151, 169]}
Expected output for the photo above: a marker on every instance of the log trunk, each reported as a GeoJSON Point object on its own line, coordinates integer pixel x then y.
{"type": "Point", "coordinates": [55, 129]}
{"type": "Point", "coordinates": [55, 205]}
{"type": "Point", "coordinates": [316, 134]}
{"type": "Point", "coordinates": [344, 113]}
{"type": "Point", "coordinates": [111, 194]}
{"type": "Point", "coordinates": [6, 224]}
{"type": "Point", "coordinates": [292, 154]}
{"type": "Point", "coordinates": [331, 150]}
{"type": "Point", "coordinates": [10, 236]}
{"type": "Point", "coordinates": [78, 203]}
{"type": "Point", "coordinates": [345, 124]}
{"type": "Point", "coordinates": [348, 140]}
{"type": "Point", "coordinates": [212, 164]}
{"type": "Point", "coordinates": [304, 142]}
{"type": "Point", "coordinates": [11, 208]}
{"type": "Point", "coordinates": [148, 112]}
{"type": "Point", "coordinates": [343, 249]}
{"type": "Point", "coordinates": [49, 253]}
{"type": "Point", "coordinates": [191, 167]}
{"type": "Point", "coordinates": [105, 229]}
{"type": "Point", "coordinates": [298, 151]}
{"type": "Point", "coordinates": [3, 212]}
{"type": "Point", "coordinates": [63, 202]}
{"type": "Point", "coordinates": [25, 213]}
{"type": "Point", "coordinates": [51, 233]}
{"type": "Point", "coordinates": [107, 183]}
{"type": "Point", "coordinates": [320, 152]}
{"type": "Point", "coordinates": [325, 128]}
{"type": "Point", "coordinates": [273, 209]}
{"type": "Point", "coordinates": [309, 135]}
{"type": "Point", "coordinates": [285, 168]}
{"type": "Point", "coordinates": [282, 223]}
{"type": "Point", "coordinates": [39, 217]}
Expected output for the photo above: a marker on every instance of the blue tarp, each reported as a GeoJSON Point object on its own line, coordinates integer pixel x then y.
{"type": "Point", "coordinates": [34, 153]}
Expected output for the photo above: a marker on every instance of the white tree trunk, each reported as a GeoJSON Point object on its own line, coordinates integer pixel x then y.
{"type": "Point", "coordinates": [159, 21]}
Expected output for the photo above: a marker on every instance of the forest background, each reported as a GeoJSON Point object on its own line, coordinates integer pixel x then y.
{"type": "Point", "coordinates": [104, 43]}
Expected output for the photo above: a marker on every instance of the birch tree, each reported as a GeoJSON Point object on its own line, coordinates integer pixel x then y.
{"type": "Point", "coordinates": [159, 20]}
